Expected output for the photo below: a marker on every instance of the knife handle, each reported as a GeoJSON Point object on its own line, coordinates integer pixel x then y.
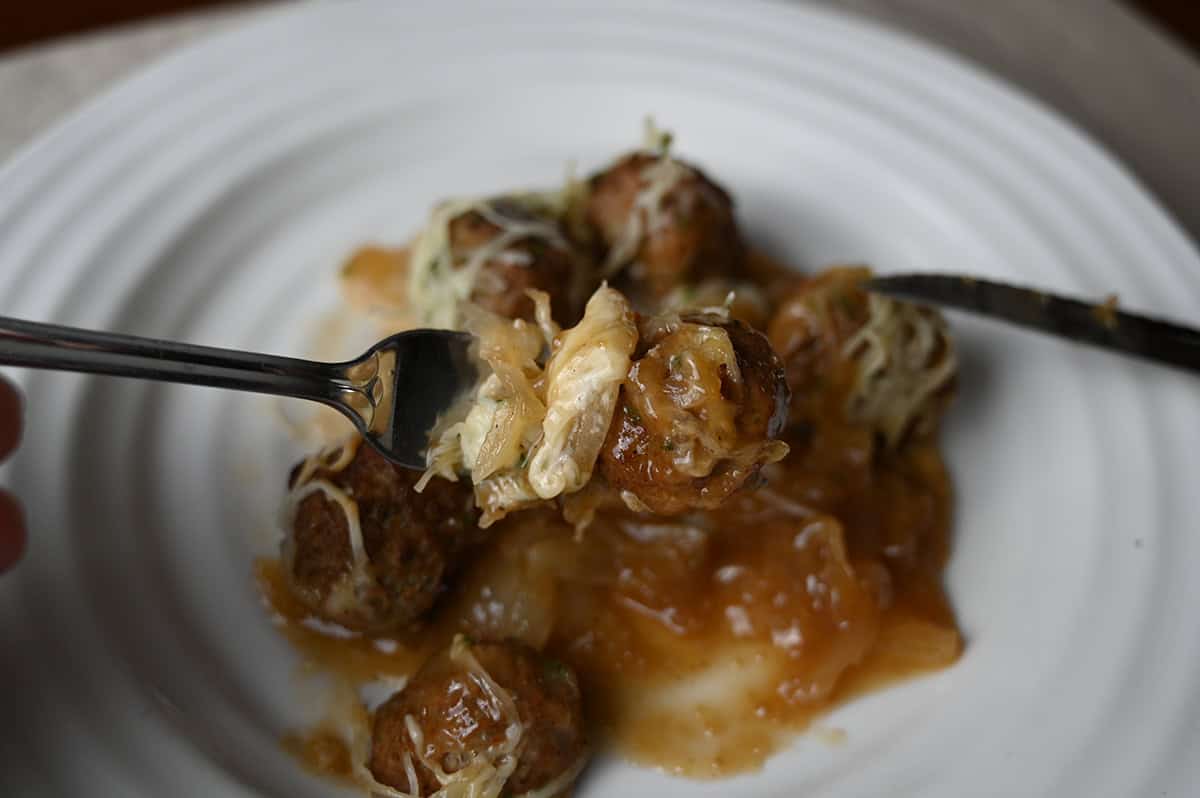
{"type": "Point", "coordinates": [1101, 325]}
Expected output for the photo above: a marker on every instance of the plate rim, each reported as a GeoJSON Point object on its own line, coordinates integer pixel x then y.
{"type": "Point", "coordinates": [74, 122]}
{"type": "Point", "coordinates": [1146, 201]}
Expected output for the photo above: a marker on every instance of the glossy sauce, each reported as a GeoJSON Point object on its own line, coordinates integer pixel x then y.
{"type": "Point", "coordinates": [321, 751]}
{"type": "Point", "coordinates": [704, 642]}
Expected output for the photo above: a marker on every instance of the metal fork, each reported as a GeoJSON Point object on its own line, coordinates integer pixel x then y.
{"type": "Point", "coordinates": [392, 394]}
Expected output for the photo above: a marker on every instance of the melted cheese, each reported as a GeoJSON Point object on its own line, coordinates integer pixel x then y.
{"type": "Point", "coordinates": [342, 454]}
{"type": "Point", "coordinates": [360, 570]}
{"type": "Point", "coordinates": [529, 432]}
{"type": "Point", "coordinates": [487, 772]}
{"type": "Point", "coordinates": [904, 357]}
{"type": "Point", "coordinates": [584, 376]}
{"type": "Point", "coordinates": [345, 593]}
{"type": "Point", "coordinates": [646, 212]}
{"type": "Point", "coordinates": [438, 283]}
{"type": "Point", "coordinates": [480, 420]}
{"type": "Point", "coordinates": [488, 431]}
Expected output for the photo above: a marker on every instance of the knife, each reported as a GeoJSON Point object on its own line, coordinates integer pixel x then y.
{"type": "Point", "coordinates": [1099, 325]}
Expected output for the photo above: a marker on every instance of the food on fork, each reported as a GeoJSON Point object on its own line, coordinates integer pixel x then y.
{"type": "Point", "coordinates": [534, 426]}
{"type": "Point", "coordinates": [700, 414]}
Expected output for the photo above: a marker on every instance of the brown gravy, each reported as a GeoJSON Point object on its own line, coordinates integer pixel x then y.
{"type": "Point", "coordinates": [321, 751]}
{"type": "Point", "coordinates": [705, 642]}
{"type": "Point", "coordinates": [702, 643]}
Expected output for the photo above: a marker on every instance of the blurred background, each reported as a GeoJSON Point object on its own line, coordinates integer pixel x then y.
{"type": "Point", "coordinates": [22, 24]}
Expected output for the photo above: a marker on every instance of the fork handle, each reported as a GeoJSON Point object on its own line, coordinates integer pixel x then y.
{"type": "Point", "coordinates": [52, 346]}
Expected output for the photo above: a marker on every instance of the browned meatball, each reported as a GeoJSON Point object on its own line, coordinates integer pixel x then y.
{"type": "Point", "coordinates": [744, 300]}
{"type": "Point", "coordinates": [412, 541]}
{"type": "Point", "coordinates": [458, 718]}
{"type": "Point", "coordinates": [853, 356]}
{"type": "Point", "coordinates": [697, 416]}
{"type": "Point", "coordinates": [667, 220]}
{"type": "Point", "coordinates": [541, 259]}
{"type": "Point", "coordinates": [810, 330]}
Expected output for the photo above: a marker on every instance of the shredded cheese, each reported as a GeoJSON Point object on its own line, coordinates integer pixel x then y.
{"type": "Point", "coordinates": [333, 460]}
{"type": "Point", "coordinates": [645, 214]}
{"type": "Point", "coordinates": [438, 283]}
{"type": "Point", "coordinates": [531, 432]}
{"type": "Point", "coordinates": [342, 454]}
{"type": "Point", "coordinates": [904, 355]}
{"type": "Point", "coordinates": [486, 772]}
{"type": "Point", "coordinates": [359, 562]}
{"type": "Point", "coordinates": [583, 377]}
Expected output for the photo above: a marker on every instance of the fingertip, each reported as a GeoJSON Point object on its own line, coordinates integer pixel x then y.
{"type": "Point", "coordinates": [11, 412]}
{"type": "Point", "coordinates": [12, 531]}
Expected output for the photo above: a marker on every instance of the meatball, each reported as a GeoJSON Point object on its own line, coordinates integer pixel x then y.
{"type": "Point", "coordinates": [854, 356]}
{"type": "Point", "coordinates": [697, 416]}
{"type": "Point", "coordinates": [538, 257]}
{"type": "Point", "coordinates": [461, 704]}
{"type": "Point", "coordinates": [667, 221]}
{"type": "Point", "coordinates": [744, 300]}
{"type": "Point", "coordinates": [411, 542]}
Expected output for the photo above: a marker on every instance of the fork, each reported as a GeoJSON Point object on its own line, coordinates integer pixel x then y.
{"type": "Point", "coordinates": [393, 393]}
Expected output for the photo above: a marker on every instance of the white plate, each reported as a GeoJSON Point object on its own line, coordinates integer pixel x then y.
{"type": "Point", "coordinates": [211, 198]}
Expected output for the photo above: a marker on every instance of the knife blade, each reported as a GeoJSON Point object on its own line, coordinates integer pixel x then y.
{"type": "Point", "coordinates": [1101, 325]}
